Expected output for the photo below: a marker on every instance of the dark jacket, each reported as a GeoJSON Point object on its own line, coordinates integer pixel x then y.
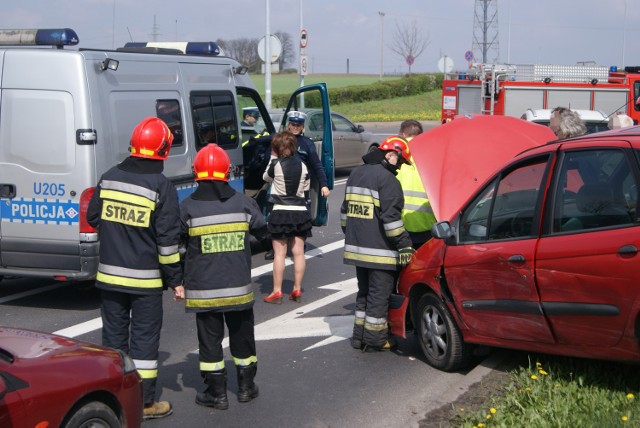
{"type": "Point", "coordinates": [215, 225]}
{"type": "Point", "coordinates": [370, 215]}
{"type": "Point", "coordinates": [135, 209]}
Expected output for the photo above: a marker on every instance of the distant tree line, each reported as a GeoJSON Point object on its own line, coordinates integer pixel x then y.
{"type": "Point", "coordinates": [245, 51]}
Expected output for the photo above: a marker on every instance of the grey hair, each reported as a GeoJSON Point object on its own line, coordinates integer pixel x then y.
{"type": "Point", "coordinates": [570, 123]}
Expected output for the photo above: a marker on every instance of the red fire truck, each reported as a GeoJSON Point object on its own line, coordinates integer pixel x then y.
{"type": "Point", "coordinates": [512, 89]}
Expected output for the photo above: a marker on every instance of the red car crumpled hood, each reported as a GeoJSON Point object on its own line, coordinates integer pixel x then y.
{"type": "Point", "coordinates": [455, 158]}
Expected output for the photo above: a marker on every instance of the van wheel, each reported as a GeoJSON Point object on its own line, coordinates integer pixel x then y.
{"type": "Point", "coordinates": [93, 414]}
{"type": "Point", "coordinates": [439, 336]}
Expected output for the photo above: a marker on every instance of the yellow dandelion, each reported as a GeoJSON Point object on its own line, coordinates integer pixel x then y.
{"type": "Point", "coordinates": [493, 410]}
{"type": "Point", "coordinates": [488, 416]}
{"type": "Point", "coordinates": [542, 372]}
{"type": "Point", "coordinates": [534, 377]}
{"type": "Point", "coordinates": [624, 419]}
{"type": "Point", "coordinates": [630, 396]}
{"type": "Point", "coordinates": [480, 425]}
{"type": "Point", "coordinates": [527, 389]}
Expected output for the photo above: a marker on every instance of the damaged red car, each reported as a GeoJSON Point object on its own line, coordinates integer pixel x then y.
{"type": "Point", "coordinates": [536, 248]}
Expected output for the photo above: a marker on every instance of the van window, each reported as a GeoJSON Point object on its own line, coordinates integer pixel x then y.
{"type": "Point", "coordinates": [214, 119]}
{"type": "Point", "coordinates": [169, 112]}
{"type": "Point", "coordinates": [37, 127]}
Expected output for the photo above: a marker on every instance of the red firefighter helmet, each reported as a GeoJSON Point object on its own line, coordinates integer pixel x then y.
{"type": "Point", "coordinates": [212, 163]}
{"type": "Point", "coordinates": [398, 145]}
{"type": "Point", "coordinates": [151, 139]}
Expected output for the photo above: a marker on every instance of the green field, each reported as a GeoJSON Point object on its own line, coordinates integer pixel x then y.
{"type": "Point", "coordinates": [287, 83]}
{"type": "Point", "coordinates": [420, 107]}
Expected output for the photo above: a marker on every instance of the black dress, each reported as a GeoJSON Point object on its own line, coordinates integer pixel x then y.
{"type": "Point", "coordinates": [290, 183]}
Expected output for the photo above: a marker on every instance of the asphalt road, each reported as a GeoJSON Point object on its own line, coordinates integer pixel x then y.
{"type": "Point", "coordinates": [308, 374]}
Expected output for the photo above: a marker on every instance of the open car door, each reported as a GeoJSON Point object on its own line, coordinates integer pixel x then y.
{"type": "Point", "coordinates": [316, 96]}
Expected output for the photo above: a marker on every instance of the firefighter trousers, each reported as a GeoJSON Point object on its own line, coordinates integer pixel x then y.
{"type": "Point", "coordinates": [372, 304]}
{"type": "Point", "coordinates": [242, 343]}
{"type": "Point", "coordinates": [132, 324]}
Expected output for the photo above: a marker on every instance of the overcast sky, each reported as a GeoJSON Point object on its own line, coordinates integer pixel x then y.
{"type": "Point", "coordinates": [342, 32]}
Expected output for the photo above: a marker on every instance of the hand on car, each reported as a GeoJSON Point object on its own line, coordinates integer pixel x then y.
{"type": "Point", "coordinates": [405, 255]}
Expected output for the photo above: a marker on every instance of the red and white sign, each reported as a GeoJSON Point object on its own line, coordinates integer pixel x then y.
{"type": "Point", "coordinates": [303, 38]}
{"type": "Point", "coordinates": [304, 69]}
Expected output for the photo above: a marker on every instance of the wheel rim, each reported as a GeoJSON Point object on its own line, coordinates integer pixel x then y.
{"type": "Point", "coordinates": [434, 333]}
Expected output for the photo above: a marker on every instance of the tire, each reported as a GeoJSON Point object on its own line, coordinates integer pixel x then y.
{"type": "Point", "coordinates": [92, 415]}
{"type": "Point", "coordinates": [439, 336]}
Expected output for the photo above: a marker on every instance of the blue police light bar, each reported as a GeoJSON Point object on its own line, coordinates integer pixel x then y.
{"type": "Point", "coordinates": [188, 48]}
{"type": "Point", "coordinates": [44, 37]}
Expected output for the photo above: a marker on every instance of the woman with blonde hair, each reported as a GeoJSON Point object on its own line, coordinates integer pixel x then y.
{"type": "Point", "coordinates": [290, 220]}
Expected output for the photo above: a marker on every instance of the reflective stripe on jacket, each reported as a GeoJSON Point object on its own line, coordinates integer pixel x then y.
{"type": "Point", "coordinates": [371, 218]}
{"type": "Point", "coordinates": [136, 211]}
{"type": "Point", "coordinates": [217, 274]}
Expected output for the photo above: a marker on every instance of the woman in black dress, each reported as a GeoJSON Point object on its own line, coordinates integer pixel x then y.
{"type": "Point", "coordinates": [290, 220]}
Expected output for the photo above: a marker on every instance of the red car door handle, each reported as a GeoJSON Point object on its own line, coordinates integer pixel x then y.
{"type": "Point", "coordinates": [628, 250]}
{"type": "Point", "coordinates": [516, 258]}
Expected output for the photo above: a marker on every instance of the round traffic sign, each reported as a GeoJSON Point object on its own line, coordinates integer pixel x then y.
{"type": "Point", "coordinates": [276, 48]}
{"type": "Point", "coordinates": [303, 38]}
{"type": "Point", "coordinates": [468, 55]}
{"type": "Point", "coordinates": [410, 59]}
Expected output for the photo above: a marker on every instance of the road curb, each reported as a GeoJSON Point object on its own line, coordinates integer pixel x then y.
{"type": "Point", "coordinates": [458, 388]}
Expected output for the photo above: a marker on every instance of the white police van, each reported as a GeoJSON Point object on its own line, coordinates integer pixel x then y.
{"type": "Point", "coordinates": [66, 116]}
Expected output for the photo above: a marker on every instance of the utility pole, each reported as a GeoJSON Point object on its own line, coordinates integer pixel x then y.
{"type": "Point", "coordinates": [485, 31]}
{"type": "Point", "coordinates": [267, 62]}
{"type": "Point", "coordinates": [381, 43]}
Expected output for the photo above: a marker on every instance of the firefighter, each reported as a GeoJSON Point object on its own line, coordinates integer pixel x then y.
{"type": "Point", "coordinates": [135, 209]}
{"type": "Point", "coordinates": [375, 239]}
{"type": "Point", "coordinates": [216, 223]}
{"type": "Point", "coordinates": [417, 215]}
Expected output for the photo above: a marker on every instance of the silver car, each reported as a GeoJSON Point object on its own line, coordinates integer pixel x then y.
{"type": "Point", "coordinates": [350, 141]}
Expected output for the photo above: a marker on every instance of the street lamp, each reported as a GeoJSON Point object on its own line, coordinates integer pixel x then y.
{"type": "Point", "coordinates": [381, 41]}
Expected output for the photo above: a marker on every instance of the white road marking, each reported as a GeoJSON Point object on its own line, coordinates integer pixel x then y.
{"type": "Point", "coordinates": [32, 292]}
{"type": "Point", "coordinates": [96, 323]}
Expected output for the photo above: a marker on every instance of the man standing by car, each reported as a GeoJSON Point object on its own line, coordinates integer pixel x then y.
{"type": "Point", "coordinates": [417, 215]}
{"type": "Point", "coordinates": [135, 209]}
{"type": "Point", "coordinates": [375, 239]}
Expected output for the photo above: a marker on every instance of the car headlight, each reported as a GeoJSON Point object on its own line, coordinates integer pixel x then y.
{"type": "Point", "coordinates": [128, 366]}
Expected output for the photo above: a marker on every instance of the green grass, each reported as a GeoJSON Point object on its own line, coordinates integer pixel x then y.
{"type": "Point", "coordinates": [418, 107]}
{"type": "Point", "coordinates": [287, 83]}
{"type": "Point", "coordinates": [563, 392]}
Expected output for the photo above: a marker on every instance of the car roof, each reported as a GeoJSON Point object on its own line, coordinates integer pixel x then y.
{"type": "Point", "coordinates": [545, 114]}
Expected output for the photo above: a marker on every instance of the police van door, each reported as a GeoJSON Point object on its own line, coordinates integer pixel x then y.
{"type": "Point", "coordinates": [306, 99]}
{"type": "Point", "coordinates": [46, 163]}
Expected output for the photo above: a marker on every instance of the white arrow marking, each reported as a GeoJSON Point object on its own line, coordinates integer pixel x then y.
{"type": "Point", "coordinates": [290, 325]}
{"type": "Point", "coordinates": [96, 323]}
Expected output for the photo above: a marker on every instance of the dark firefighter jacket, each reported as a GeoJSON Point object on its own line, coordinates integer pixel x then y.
{"type": "Point", "coordinates": [135, 209]}
{"type": "Point", "coordinates": [370, 216]}
{"type": "Point", "coordinates": [216, 223]}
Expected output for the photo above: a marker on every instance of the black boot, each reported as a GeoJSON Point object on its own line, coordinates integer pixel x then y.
{"type": "Point", "coordinates": [247, 390]}
{"type": "Point", "coordinates": [216, 393]}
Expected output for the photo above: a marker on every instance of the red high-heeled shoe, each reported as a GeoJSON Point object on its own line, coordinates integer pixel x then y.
{"type": "Point", "coordinates": [296, 296]}
{"type": "Point", "coordinates": [274, 298]}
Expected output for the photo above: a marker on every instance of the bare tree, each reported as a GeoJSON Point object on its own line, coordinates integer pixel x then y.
{"type": "Point", "coordinates": [288, 55]}
{"type": "Point", "coordinates": [244, 50]}
{"type": "Point", "coordinates": [409, 41]}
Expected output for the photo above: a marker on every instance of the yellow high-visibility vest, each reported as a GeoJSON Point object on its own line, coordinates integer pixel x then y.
{"type": "Point", "coordinates": [417, 214]}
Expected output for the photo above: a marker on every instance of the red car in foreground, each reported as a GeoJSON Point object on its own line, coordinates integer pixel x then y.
{"type": "Point", "coordinates": [537, 252]}
{"type": "Point", "coordinates": [53, 381]}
